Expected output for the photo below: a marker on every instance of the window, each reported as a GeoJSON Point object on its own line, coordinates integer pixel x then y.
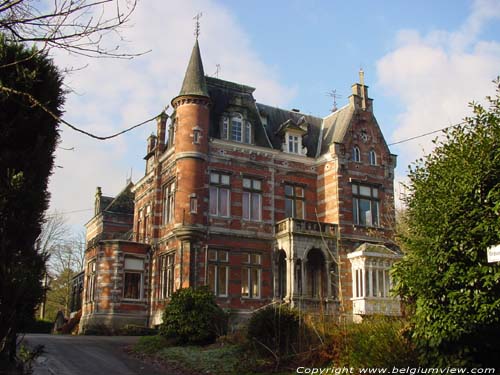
{"type": "Point", "coordinates": [252, 199]}
{"type": "Point", "coordinates": [373, 157]}
{"type": "Point", "coordinates": [365, 205]}
{"type": "Point", "coordinates": [235, 128]}
{"type": "Point", "coordinates": [166, 268]}
{"type": "Point", "coordinates": [133, 278]}
{"type": "Point", "coordinates": [91, 281]}
{"type": "Point", "coordinates": [250, 275]}
{"type": "Point", "coordinates": [219, 194]}
{"type": "Point", "coordinates": [168, 203]}
{"type": "Point", "coordinates": [294, 201]}
{"type": "Point", "coordinates": [218, 272]}
{"type": "Point", "coordinates": [356, 154]}
{"type": "Point", "coordinates": [372, 280]}
{"type": "Point", "coordinates": [196, 136]}
{"type": "Point", "coordinates": [193, 205]}
{"type": "Point", "coordinates": [293, 144]}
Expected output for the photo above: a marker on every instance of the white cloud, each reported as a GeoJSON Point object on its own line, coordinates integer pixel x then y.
{"type": "Point", "coordinates": [436, 75]}
{"type": "Point", "coordinates": [113, 94]}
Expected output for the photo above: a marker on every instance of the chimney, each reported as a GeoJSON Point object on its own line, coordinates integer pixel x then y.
{"type": "Point", "coordinates": [97, 203]}
{"type": "Point", "coordinates": [161, 128]}
{"type": "Point", "coordinates": [359, 98]}
{"type": "Point", "coordinates": [151, 143]}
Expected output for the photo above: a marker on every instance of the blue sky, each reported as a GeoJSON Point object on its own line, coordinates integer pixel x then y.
{"type": "Point", "coordinates": [423, 61]}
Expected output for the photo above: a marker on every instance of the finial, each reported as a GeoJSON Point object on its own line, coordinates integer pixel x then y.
{"type": "Point", "coordinates": [362, 82]}
{"type": "Point", "coordinates": [333, 94]}
{"type": "Point", "coordinates": [197, 27]}
{"type": "Point", "coordinates": [217, 70]}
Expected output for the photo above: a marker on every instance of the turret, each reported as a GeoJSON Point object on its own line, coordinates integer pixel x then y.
{"type": "Point", "coordinates": [191, 141]}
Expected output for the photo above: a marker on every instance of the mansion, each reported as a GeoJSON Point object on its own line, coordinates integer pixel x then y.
{"type": "Point", "coordinates": [261, 204]}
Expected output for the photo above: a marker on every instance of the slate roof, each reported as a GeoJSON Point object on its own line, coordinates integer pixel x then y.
{"type": "Point", "coordinates": [122, 203]}
{"type": "Point", "coordinates": [320, 132]}
{"type": "Point", "coordinates": [194, 80]}
{"type": "Point", "coordinates": [335, 127]}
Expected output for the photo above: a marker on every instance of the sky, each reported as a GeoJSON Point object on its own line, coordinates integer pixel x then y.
{"type": "Point", "coordinates": [423, 61]}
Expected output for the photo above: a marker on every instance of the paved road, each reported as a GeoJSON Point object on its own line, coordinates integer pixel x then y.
{"type": "Point", "coordinates": [87, 355]}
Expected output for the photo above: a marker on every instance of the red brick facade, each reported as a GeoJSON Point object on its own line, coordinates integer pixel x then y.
{"type": "Point", "coordinates": [259, 203]}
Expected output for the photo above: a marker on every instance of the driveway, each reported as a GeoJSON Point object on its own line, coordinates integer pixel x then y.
{"type": "Point", "coordinates": [89, 355]}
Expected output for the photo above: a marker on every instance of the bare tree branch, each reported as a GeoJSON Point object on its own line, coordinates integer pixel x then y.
{"type": "Point", "coordinates": [36, 102]}
{"type": "Point", "coordinates": [77, 26]}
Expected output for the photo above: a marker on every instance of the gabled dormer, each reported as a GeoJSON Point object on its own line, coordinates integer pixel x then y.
{"type": "Point", "coordinates": [292, 133]}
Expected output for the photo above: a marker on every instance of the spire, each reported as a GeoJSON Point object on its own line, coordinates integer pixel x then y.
{"type": "Point", "coordinates": [194, 80]}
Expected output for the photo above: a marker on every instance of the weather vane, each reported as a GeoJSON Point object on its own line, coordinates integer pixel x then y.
{"type": "Point", "coordinates": [197, 28]}
{"type": "Point", "coordinates": [333, 94]}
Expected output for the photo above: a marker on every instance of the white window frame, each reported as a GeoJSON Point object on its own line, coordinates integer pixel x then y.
{"type": "Point", "coordinates": [166, 268]}
{"type": "Point", "coordinates": [168, 202]}
{"type": "Point", "coordinates": [253, 263]}
{"type": "Point", "coordinates": [217, 185]}
{"type": "Point", "coordinates": [294, 197]}
{"type": "Point", "coordinates": [368, 193]}
{"type": "Point", "coordinates": [252, 189]}
{"type": "Point", "coordinates": [356, 154]}
{"type": "Point", "coordinates": [131, 270]}
{"type": "Point", "coordinates": [235, 128]}
{"type": "Point", "coordinates": [220, 264]}
{"type": "Point", "coordinates": [373, 157]}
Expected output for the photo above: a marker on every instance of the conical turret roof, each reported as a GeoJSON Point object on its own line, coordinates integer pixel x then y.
{"type": "Point", "coordinates": [194, 80]}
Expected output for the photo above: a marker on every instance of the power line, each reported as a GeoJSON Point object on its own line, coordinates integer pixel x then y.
{"type": "Point", "coordinates": [43, 107]}
{"type": "Point", "coordinates": [67, 212]}
{"type": "Point", "coordinates": [425, 134]}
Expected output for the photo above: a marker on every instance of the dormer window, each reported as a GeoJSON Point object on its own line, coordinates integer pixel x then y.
{"type": "Point", "coordinates": [235, 128]}
{"type": "Point", "coordinates": [373, 157]}
{"type": "Point", "coordinates": [292, 134]}
{"type": "Point", "coordinates": [293, 143]}
{"type": "Point", "coordinates": [356, 154]}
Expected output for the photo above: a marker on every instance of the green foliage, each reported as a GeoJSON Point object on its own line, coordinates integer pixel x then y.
{"type": "Point", "coordinates": [276, 329]}
{"type": "Point", "coordinates": [378, 342]}
{"type": "Point", "coordinates": [452, 218]}
{"type": "Point", "coordinates": [193, 317]}
{"type": "Point", "coordinates": [150, 344]}
{"type": "Point", "coordinates": [28, 137]}
{"type": "Point", "coordinates": [136, 330]}
{"type": "Point", "coordinates": [39, 326]}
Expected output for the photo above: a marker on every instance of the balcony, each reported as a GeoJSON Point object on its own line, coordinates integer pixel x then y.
{"type": "Point", "coordinates": [306, 227]}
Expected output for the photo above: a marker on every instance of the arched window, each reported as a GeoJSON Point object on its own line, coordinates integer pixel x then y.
{"type": "Point", "coordinates": [373, 157]}
{"type": "Point", "coordinates": [237, 127]}
{"type": "Point", "coordinates": [234, 127]}
{"type": "Point", "coordinates": [356, 154]}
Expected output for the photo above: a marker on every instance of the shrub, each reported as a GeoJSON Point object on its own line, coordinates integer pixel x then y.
{"type": "Point", "coordinates": [275, 328]}
{"type": "Point", "coordinates": [376, 342]}
{"type": "Point", "coordinates": [193, 317]}
{"type": "Point", "coordinates": [38, 326]}
{"type": "Point", "coordinates": [150, 344]}
{"type": "Point", "coordinates": [136, 330]}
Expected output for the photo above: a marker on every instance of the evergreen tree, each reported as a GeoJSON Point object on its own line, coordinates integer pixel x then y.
{"type": "Point", "coordinates": [452, 218]}
{"type": "Point", "coordinates": [28, 137]}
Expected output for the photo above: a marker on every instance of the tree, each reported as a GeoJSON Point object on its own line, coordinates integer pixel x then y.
{"type": "Point", "coordinates": [452, 218]}
{"type": "Point", "coordinates": [28, 137]}
{"type": "Point", "coordinates": [77, 26]}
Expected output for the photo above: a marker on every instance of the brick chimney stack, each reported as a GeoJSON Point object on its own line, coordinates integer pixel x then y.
{"type": "Point", "coordinates": [161, 128]}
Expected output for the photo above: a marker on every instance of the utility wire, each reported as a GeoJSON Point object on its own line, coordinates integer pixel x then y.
{"type": "Point", "coordinates": [425, 134]}
{"type": "Point", "coordinates": [43, 107]}
{"type": "Point", "coordinates": [68, 212]}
